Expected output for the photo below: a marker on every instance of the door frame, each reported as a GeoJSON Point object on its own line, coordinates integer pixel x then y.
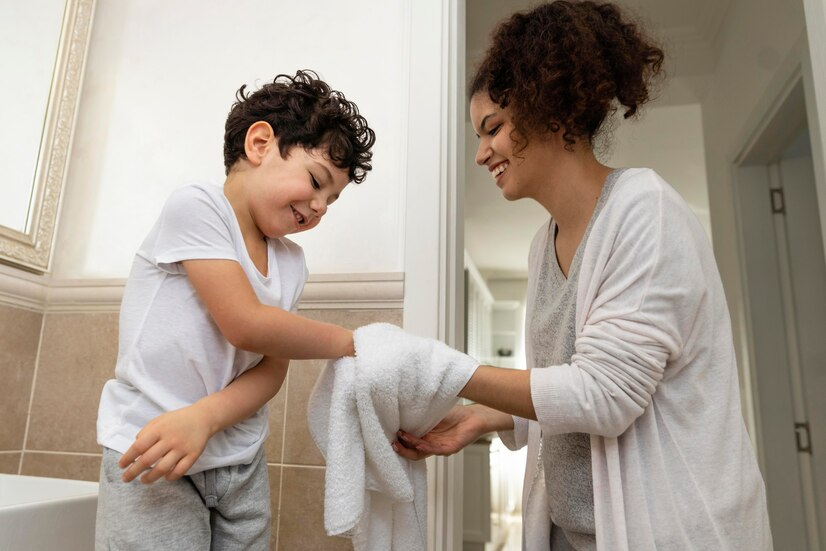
{"type": "Point", "coordinates": [769, 323]}
{"type": "Point", "coordinates": [434, 216]}
{"type": "Point", "coordinates": [771, 123]}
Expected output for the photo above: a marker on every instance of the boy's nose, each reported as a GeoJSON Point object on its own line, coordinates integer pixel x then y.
{"type": "Point", "coordinates": [319, 207]}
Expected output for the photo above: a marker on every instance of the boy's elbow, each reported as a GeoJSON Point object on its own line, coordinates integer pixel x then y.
{"type": "Point", "coordinates": [239, 334]}
{"type": "Point", "coordinates": [238, 341]}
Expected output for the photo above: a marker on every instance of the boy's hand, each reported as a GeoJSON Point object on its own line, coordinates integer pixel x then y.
{"type": "Point", "coordinates": [167, 446]}
{"type": "Point", "coordinates": [170, 444]}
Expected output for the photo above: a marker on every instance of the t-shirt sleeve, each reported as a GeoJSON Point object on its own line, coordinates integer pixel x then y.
{"type": "Point", "coordinates": [194, 224]}
{"type": "Point", "coordinates": [301, 276]}
{"type": "Point", "coordinates": [302, 283]}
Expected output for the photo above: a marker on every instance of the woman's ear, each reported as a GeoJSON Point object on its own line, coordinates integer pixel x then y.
{"type": "Point", "coordinates": [260, 139]}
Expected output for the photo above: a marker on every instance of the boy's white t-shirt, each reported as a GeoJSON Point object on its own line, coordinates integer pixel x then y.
{"type": "Point", "coordinates": [171, 353]}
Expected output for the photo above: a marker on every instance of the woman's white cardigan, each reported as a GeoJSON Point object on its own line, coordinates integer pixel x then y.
{"type": "Point", "coordinates": [654, 380]}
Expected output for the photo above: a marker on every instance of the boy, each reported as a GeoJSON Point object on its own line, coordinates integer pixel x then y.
{"type": "Point", "coordinates": [209, 302]}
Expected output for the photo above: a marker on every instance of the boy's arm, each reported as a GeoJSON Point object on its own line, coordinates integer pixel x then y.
{"type": "Point", "coordinates": [249, 325]}
{"type": "Point", "coordinates": [172, 442]}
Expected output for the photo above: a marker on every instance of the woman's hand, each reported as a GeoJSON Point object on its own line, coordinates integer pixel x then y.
{"type": "Point", "coordinates": [462, 425]}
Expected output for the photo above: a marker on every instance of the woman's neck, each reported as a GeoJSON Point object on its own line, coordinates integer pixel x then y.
{"type": "Point", "coordinates": [575, 183]}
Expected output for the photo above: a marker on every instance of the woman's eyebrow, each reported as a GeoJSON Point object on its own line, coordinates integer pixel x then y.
{"type": "Point", "coordinates": [484, 122]}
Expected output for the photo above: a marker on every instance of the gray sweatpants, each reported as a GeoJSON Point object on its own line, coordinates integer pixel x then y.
{"type": "Point", "coordinates": [220, 509]}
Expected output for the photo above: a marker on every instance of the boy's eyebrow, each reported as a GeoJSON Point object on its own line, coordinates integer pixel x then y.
{"type": "Point", "coordinates": [327, 174]}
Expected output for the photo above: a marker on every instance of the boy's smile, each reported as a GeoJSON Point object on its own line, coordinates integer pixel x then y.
{"type": "Point", "coordinates": [300, 218]}
{"type": "Point", "coordinates": [274, 196]}
{"type": "Point", "coordinates": [292, 195]}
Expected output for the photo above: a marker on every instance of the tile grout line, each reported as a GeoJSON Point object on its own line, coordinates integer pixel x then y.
{"type": "Point", "coordinates": [278, 520]}
{"type": "Point", "coordinates": [59, 452]}
{"type": "Point", "coordinates": [281, 469]}
{"type": "Point", "coordinates": [31, 394]}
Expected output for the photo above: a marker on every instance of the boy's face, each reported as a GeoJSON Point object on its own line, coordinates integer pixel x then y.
{"type": "Point", "coordinates": [291, 195]}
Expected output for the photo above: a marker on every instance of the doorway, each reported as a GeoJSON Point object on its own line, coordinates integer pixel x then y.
{"type": "Point", "coordinates": [785, 290]}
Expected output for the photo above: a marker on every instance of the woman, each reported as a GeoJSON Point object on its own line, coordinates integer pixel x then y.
{"type": "Point", "coordinates": [631, 408]}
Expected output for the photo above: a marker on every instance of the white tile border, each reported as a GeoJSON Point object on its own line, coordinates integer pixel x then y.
{"type": "Point", "coordinates": [22, 289]}
{"type": "Point", "coordinates": [323, 291]}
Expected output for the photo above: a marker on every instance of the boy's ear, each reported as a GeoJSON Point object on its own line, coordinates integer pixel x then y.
{"type": "Point", "coordinates": [260, 139]}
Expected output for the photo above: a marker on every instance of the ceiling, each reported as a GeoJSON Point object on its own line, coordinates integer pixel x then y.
{"type": "Point", "coordinates": [497, 232]}
{"type": "Point", "coordinates": [688, 29]}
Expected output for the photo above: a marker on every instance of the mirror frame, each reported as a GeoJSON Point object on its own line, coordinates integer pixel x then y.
{"type": "Point", "coordinates": [32, 248]}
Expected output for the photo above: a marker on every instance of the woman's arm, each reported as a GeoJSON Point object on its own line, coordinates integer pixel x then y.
{"type": "Point", "coordinates": [505, 390]}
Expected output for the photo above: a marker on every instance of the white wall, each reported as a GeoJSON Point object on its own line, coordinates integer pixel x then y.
{"type": "Point", "coordinates": [160, 79]}
{"type": "Point", "coordinates": [756, 40]}
{"type": "Point", "coordinates": [668, 139]}
{"type": "Point", "coordinates": [816, 88]}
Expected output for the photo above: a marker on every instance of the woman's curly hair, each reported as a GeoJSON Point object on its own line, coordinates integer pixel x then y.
{"type": "Point", "coordinates": [563, 64]}
{"type": "Point", "coordinates": [303, 111]}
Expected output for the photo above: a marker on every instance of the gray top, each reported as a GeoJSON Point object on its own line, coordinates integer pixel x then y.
{"type": "Point", "coordinates": [566, 457]}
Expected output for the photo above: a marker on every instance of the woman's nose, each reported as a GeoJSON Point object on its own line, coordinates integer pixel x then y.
{"type": "Point", "coordinates": [482, 154]}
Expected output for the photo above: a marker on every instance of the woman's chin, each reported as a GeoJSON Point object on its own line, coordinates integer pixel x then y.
{"type": "Point", "coordinates": [510, 195]}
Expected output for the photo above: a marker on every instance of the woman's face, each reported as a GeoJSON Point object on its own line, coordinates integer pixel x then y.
{"type": "Point", "coordinates": [518, 172]}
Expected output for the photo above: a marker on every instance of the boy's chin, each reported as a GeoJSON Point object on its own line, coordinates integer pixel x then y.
{"type": "Point", "coordinates": [303, 229]}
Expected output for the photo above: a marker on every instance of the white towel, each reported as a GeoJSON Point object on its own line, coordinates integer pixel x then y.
{"type": "Point", "coordinates": [396, 381]}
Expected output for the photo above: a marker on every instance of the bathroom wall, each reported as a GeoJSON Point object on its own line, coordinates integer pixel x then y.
{"type": "Point", "coordinates": [53, 366]}
{"type": "Point", "coordinates": [19, 339]}
{"type": "Point", "coordinates": [755, 42]}
{"type": "Point", "coordinates": [678, 156]}
{"type": "Point", "coordinates": [160, 79]}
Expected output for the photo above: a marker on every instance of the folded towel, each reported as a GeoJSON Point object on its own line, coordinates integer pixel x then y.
{"type": "Point", "coordinates": [396, 381]}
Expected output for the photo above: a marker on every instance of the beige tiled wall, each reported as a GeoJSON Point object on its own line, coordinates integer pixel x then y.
{"type": "Point", "coordinates": [300, 522]}
{"type": "Point", "coordinates": [57, 394]}
{"type": "Point", "coordinates": [9, 462]}
{"type": "Point", "coordinates": [77, 355]}
{"type": "Point", "coordinates": [19, 338]}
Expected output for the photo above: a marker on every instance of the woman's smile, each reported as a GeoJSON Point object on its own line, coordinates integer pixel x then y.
{"type": "Point", "coordinates": [497, 170]}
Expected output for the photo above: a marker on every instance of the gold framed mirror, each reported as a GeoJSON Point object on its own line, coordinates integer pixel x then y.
{"type": "Point", "coordinates": [33, 168]}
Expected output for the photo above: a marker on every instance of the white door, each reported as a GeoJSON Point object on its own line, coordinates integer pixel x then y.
{"type": "Point", "coordinates": [786, 287]}
{"type": "Point", "coordinates": [807, 282]}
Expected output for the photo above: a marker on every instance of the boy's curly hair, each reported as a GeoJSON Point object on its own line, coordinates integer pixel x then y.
{"type": "Point", "coordinates": [303, 111]}
{"type": "Point", "coordinates": [563, 64]}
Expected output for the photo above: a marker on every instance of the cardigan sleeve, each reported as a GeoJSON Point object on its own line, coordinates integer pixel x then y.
{"type": "Point", "coordinates": [641, 283]}
{"type": "Point", "coordinates": [516, 438]}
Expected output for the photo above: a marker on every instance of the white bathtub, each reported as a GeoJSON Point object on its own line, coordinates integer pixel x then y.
{"type": "Point", "coordinates": [38, 513]}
